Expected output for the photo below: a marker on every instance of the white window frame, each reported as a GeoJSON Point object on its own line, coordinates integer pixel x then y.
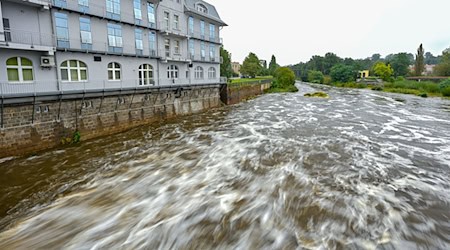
{"type": "Point", "coordinates": [212, 73]}
{"type": "Point", "coordinates": [137, 11]}
{"type": "Point", "coordinates": [20, 69]}
{"type": "Point", "coordinates": [176, 47]}
{"type": "Point", "coordinates": [172, 72]}
{"type": "Point", "coordinates": [114, 69]}
{"type": "Point", "coordinates": [145, 74]}
{"type": "Point", "coordinates": [176, 22]}
{"type": "Point", "coordinates": [199, 73]}
{"type": "Point", "coordinates": [68, 68]}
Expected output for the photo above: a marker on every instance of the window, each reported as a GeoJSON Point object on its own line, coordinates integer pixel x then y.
{"type": "Point", "coordinates": [145, 74]}
{"type": "Point", "coordinates": [191, 25]}
{"type": "Point", "coordinates": [85, 32]}
{"type": "Point", "coordinates": [172, 72]}
{"type": "Point", "coordinates": [114, 71]}
{"type": "Point", "coordinates": [152, 43]}
{"type": "Point", "coordinates": [137, 11]}
{"type": "Point", "coordinates": [177, 47]}
{"type": "Point", "coordinates": [212, 32]}
{"type": "Point", "coordinates": [19, 69]}
{"type": "Point", "coordinates": [139, 41]}
{"type": "Point", "coordinates": [211, 73]}
{"type": "Point", "coordinates": [191, 48]}
{"type": "Point", "coordinates": [212, 52]}
{"type": "Point", "coordinates": [202, 50]}
{"type": "Point", "coordinates": [202, 8]}
{"type": "Point", "coordinates": [202, 29]}
{"type": "Point", "coordinates": [115, 38]}
{"type": "Point", "coordinates": [73, 71]}
{"type": "Point", "coordinates": [176, 22]}
{"type": "Point", "coordinates": [113, 9]}
{"type": "Point", "coordinates": [60, 3]}
{"type": "Point", "coordinates": [167, 47]}
{"type": "Point", "coordinates": [198, 72]}
{"type": "Point", "coordinates": [151, 14]}
{"type": "Point", "coordinates": [83, 5]}
{"type": "Point", "coordinates": [62, 30]}
{"type": "Point", "coordinates": [167, 19]}
{"type": "Point", "coordinates": [7, 29]}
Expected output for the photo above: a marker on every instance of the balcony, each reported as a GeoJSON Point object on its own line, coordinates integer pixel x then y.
{"type": "Point", "coordinates": [171, 30]}
{"type": "Point", "coordinates": [44, 3]}
{"type": "Point", "coordinates": [205, 58]}
{"type": "Point", "coordinates": [26, 40]}
{"type": "Point", "coordinates": [173, 55]}
{"type": "Point", "coordinates": [204, 37]}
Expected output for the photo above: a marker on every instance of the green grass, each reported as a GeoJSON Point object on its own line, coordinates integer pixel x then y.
{"type": "Point", "coordinates": [250, 80]}
{"type": "Point", "coordinates": [289, 89]}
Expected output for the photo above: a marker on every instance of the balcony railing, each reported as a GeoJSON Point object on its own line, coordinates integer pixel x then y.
{"type": "Point", "coordinates": [29, 38]}
{"type": "Point", "coordinates": [173, 55]}
{"type": "Point", "coordinates": [205, 37]}
{"type": "Point", "coordinates": [34, 88]}
{"type": "Point", "coordinates": [205, 58]}
{"type": "Point", "coordinates": [172, 29]}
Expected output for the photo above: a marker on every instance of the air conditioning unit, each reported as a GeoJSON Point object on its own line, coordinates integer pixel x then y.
{"type": "Point", "coordinates": [47, 61]}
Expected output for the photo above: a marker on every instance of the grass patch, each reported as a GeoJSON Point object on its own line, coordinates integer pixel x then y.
{"type": "Point", "coordinates": [250, 80]}
{"type": "Point", "coordinates": [289, 89]}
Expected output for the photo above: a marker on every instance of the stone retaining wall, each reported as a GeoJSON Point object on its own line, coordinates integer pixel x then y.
{"type": "Point", "coordinates": [236, 93]}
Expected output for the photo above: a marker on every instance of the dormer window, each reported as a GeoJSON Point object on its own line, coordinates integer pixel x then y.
{"type": "Point", "coordinates": [202, 8]}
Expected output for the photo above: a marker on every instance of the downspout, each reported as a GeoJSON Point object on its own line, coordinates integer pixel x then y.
{"type": "Point", "coordinates": [157, 45]}
{"type": "Point", "coordinates": [58, 87]}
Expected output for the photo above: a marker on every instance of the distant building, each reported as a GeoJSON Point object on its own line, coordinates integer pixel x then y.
{"type": "Point", "coordinates": [428, 69]}
{"type": "Point", "coordinates": [364, 73]}
{"type": "Point", "coordinates": [236, 67]}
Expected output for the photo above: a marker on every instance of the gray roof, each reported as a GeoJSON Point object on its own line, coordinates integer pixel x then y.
{"type": "Point", "coordinates": [212, 12]}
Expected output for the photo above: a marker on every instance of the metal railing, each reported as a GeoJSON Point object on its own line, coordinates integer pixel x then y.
{"type": "Point", "coordinates": [29, 38]}
{"type": "Point", "coordinates": [38, 87]}
{"type": "Point", "coordinates": [205, 37]}
{"type": "Point", "coordinates": [170, 28]}
{"type": "Point", "coordinates": [206, 58]}
{"type": "Point", "coordinates": [173, 55]}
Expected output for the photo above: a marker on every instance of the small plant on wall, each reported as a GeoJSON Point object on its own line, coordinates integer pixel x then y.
{"type": "Point", "coordinates": [75, 138]}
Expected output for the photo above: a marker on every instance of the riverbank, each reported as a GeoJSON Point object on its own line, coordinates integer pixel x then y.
{"type": "Point", "coordinates": [423, 89]}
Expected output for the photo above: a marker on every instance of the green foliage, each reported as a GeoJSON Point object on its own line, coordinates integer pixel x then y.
{"type": "Point", "coordinates": [273, 66]}
{"type": "Point", "coordinates": [352, 85]}
{"type": "Point", "coordinates": [315, 76]}
{"type": "Point", "coordinates": [317, 94]}
{"type": "Point", "coordinates": [424, 95]}
{"type": "Point", "coordinates": [419, 66]}
{"type": "Point", "coordinates": [342, 73]}
{"type": "Point", "coordinates": [383, 71]}
{"type": "Point", "coordinates": [225, 68]}
{"type": "Point", "coordinates": [444, 84]}
{"type": "Point", "coordinates": [443, 68]}
{"type": "Point", "coordinates": [400, 63]}
{"type": "Point", "coordinates": [251, 66]}
{"type": "Point", "coordinates": [377, 88]}
{"type": "Point", "coordinates": [446, 92]}
{"type": "Point", "coordinates": [327, 80]}
{"type": "Point", "coordinates": [417, 87]}
{"type": "Point", "coordinates": [284, 81]}
{"type": "Point", "coordinates": [75, 138]}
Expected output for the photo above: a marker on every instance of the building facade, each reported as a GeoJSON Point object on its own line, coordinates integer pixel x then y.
{"type": "Point", "coordinates": [236, 68]}
{"type": "Point", "coordinates": [71, 45]}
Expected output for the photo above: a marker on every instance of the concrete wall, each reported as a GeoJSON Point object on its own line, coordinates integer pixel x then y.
{"type": "Point", "coordinates": [30, 128]}
{"type": "Point", "coordinates": [232, 94]}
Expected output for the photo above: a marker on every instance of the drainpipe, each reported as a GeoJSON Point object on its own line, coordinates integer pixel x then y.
{"type": "Point", "coordinates": [2, 32]}
{"type": "Point", "coordinates": [58, 87]}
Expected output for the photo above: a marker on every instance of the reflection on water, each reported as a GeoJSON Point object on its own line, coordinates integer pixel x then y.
{"type": "Point", "coordinates": [360, 170]}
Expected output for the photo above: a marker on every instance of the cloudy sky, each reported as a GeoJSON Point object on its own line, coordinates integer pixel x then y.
{"type": "Point", "coordinates": [294, 30]}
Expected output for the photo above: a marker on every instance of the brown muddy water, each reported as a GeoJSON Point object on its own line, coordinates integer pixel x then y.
{"type": "Point", "coordinates": [361, 170]}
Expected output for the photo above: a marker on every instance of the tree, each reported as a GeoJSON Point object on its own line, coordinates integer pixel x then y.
{"type": "Point", "coordinates": [329, 61]}
{"type": "Point", "coordinates": [342, 73]}
{"type": "Point", "coordinates": [273, 66]}
{"type": "Point", "coordinates": [375, 58]}
{"type": "Point", "coordinates": [419, 66]}
{"type": "Point", "coordinates": [430, 59]}
{"type": "Point", "coordinates": [315, 76]}
{"type": "Point", "coordinates": [443, 68]}
{"type": "Point", "coordinates": [400, 63]}
{"type": "Point", "coordinates": [383, 71]}
{"type": "Point", "coordinates": [285, 77]}
{"type": "Point", "coordinates": [251, 65]}
{"type": "Point", "coordinates": [225, 68]}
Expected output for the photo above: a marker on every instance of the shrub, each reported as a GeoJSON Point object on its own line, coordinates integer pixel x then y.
{"type": "Point", "coordinates": [327, 80]}
{"type": "Point", "coordinates": [400, 78]}
{"type": "Point", "coordinates": [285, 77]}
{"type": "Point", "coordinates": [444, 84]}
{"type": "Point", "coordinates": [446, 92]}
{"type": "Point", "coordinates": [377, 88]}
{"type": "Point", "coordinates": [342, 73]}
{"type": "Point", "coordinates": [315, 76]}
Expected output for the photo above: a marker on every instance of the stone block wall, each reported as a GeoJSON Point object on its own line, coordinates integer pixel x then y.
{"type": "Point", "coordinates": [29, 128]}
{"type": "Point", "coordinates": [236, 93]}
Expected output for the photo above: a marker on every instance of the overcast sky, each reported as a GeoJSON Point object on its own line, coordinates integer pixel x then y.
{"type": "Point", "coordinates": [295, 30]}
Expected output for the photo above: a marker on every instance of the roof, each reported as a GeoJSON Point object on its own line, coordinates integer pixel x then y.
{"type": "Point", "coordinates": [212, 14]}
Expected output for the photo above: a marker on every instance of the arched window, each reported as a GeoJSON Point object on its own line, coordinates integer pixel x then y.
{"type": "Point", "coordinates": [114, 73]}
{"type": "Point", "coordinates": [211, 73]}
{"type": "Point", "coordinates": [202, 8]}
{"type": "Point", "coordinates": [198, 72]}
{"type": "Point", "coordinates": [73, 71]}
{"type": "Point", "coordinates": [172, 72]}
{"type": "Point", "coordinates": [19, 69]}
{"type": "Point", "coordinates": [145, 74]}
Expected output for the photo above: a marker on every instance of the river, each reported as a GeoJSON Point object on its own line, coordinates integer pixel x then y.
{"type": "Point", "coordinates": [361, 170]}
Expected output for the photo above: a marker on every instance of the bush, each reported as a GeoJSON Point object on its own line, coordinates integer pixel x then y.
{"type": "Point", "coordinates": [377, 88]}
{"type": "Point", "coordinates": [399, 79]}
{"type": "Point", "coordinates": [446, 92]}
{"type": "Point", "coordinates": [284, 77]}
{"type": "Point", "coordinates": [342, 73]}
{"type": "Point", "coordinates": [315, 76]}
{"type": "Point", "coordinates": [444, 84]}
{"type": "Point", "coordinates": [327, 80]}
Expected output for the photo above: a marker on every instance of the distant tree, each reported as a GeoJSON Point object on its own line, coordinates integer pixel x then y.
{"type": "Point", "coordinates": [419, 66]}
{"type": "Point", "coordinates": [342, 73]}
{"type": "Point", "coordinates": [315, 76]}
{"type": "Point", "coordinates": [383, 71]}
{"type": "Point", "coordinates": [329, 61]}
{"type": "Point", "coordinates": [375, 58]}
{"type": "Point", "coordinates": [317, 63]}
{"type": "Point", "coordinates": [443, 68]}
{"type": "Point", "coordinates": [251, 65]}
{"type": "Point", "coordinates": [273, 66]}
{"type": "Point", "coordinates": [430, 59]}
{"type": "Point", "coordinates": [225, 68]}
{"type": "Point", "coordinates": [400, 64]}
{"type": "Point", "coordinates": [284, 77]}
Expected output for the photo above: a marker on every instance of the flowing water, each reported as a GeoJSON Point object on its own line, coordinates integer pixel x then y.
{"type": "Point", "coordinates": [361, 170]}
